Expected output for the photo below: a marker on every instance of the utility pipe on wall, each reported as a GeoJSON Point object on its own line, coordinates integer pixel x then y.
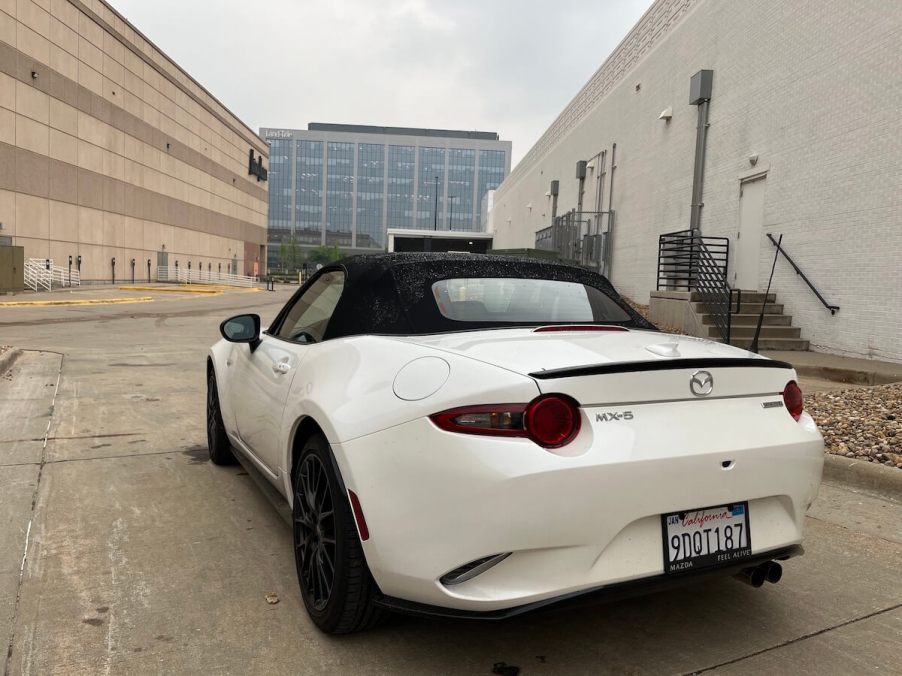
{"type": "Point", "coordinates": [699, 95]}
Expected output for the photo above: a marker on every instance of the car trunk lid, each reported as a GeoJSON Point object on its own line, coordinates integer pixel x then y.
{"type": "Point", "coordinates": [620, 366]}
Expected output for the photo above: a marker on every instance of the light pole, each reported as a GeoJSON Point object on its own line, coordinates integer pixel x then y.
{"type": "Point", "coordinates": [435, 210]}
{"type": "Point", "coordinates": [451, 199]}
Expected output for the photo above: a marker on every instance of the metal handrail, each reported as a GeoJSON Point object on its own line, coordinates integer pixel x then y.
{"type": "Point", "coordinates": [833, 308]}
{"type": "Point", "coordinates": [687, 261]}
{"type": "Point", "coordinates": [581, 236]}
{"type": "Point", "coordinates": [715, 292]}
{"type": "Point", "coordinates": [678, 258]}
{"type": "Point", "coordinates": [182, 274]}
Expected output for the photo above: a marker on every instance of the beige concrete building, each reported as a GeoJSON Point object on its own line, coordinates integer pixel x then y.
{"type": "Point", "coordinates": [109, 150]}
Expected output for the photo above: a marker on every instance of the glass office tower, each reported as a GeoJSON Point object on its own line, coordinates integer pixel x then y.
{"type": "Point", "coordinates": [345, 185]}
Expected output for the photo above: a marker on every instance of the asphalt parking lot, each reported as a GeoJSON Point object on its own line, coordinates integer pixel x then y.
{"type": "Point", "coordinates": [123, 550]}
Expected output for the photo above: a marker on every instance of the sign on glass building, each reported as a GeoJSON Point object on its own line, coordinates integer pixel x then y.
{"type": "Point", "coordinates": [345, 185]}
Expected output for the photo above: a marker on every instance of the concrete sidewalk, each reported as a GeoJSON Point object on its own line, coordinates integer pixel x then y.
{"type": "Point", "coordinates": [841, 369]}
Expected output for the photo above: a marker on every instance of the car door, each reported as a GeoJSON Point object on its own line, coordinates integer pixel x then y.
{"type": "Point", "coordinates": [265, 374]}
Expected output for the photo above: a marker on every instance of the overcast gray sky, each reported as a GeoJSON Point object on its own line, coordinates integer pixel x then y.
{"type": "Point", "coordinates": [495, 65]}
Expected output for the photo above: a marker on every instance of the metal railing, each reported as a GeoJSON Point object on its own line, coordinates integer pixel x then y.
{"type": "Point", "coordinates": [689, 262]}
{"type": "Point", "coordinates": [41, 273]}
{"type": "Point", "coordinates": [678, 258]}
{"type": "Point", "coordinates": [833, 308]}
{"type": "Point", "coordinates": [184, 275]}
{"type": "Point", "coordinates": [37, 276]}
{"type": "Point", "coordinates": [581, 236]}
{"type": "Point", "coordinates": [714, 291]}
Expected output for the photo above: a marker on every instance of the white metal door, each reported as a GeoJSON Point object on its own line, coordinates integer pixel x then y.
{"type": "Point", "coordinates": [750, 235]}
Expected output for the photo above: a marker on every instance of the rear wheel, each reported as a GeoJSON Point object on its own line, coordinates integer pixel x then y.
{"type": "Point", "coordinates": [336, 585]}
{"type": "Point", "coordinates": [217, 440]}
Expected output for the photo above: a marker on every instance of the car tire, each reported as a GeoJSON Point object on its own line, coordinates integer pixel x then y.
{"type": "Point", "coordinates": [336, 585]}
{"type": "Point", "coordinates": [217, 440]}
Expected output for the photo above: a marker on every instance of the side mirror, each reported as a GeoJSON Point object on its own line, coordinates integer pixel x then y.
{"type": "Point", "coordinates": [242, 329]}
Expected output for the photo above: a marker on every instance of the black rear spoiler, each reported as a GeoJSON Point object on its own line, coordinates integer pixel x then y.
{"type": "Point", "coordinates": [663, 365]}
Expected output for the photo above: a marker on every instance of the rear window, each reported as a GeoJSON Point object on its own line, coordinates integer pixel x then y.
{"type": "Point", "coordinates": [524, 301]}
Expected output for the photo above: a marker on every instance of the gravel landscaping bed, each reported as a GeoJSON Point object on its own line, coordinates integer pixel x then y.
{"type": "Point", "coordinates": [864, 422]}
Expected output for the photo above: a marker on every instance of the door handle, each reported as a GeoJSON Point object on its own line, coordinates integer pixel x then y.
{"type": "Point", "coordinates": [279, 367]}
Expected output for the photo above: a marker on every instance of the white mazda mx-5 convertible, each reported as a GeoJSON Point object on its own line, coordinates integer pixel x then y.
{"type": "Point", "coordinates": [478, 436]}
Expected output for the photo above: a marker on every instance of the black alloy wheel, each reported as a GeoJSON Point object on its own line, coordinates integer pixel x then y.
{"type": "Point", "coordinates": [336, 585]}
{"type": "Point", "coordinates": [217, 440]}
{"type": "Point", "coordinates": [315, 522]}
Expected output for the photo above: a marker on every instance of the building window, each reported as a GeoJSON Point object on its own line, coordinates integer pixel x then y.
{"type": "Point", "coordinates": [309, 187]}
{"type": "Point", "coordinates": [370, 195]}
{"type": "Point", "coordinates": [339, 193]}
{"type": "Point", "coordinates": [431, 181]}
{"type": "Point", "coordinates": [401, 167]}
{"type": "Point", "coordinates": [461, 177]}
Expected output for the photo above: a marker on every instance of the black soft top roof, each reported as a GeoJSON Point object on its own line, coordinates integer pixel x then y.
{"type": "Point", "coordinates": [391, 293]}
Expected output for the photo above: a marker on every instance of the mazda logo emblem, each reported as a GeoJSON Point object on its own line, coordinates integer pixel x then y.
{"type": "Point", "coordinates": [701, 383]}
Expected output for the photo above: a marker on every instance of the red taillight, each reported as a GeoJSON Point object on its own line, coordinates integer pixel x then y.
{"type": "Point", "coordinates": [792, 399]}
{"type": "Point", "coordinates": [551, 420]}
{"type": "Point", "coordinates": [578, 327]}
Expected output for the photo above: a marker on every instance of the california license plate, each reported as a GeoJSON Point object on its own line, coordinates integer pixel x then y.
{"type": "Point", "coordinates": [706, 537]}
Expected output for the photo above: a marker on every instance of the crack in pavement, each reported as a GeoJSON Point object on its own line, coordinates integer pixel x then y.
{"type": "Point", "coordinates": [804, 637]}
{"type": "Point", "coordinates": [97, 457]}
{"type": "Point", "coordinates": [34, 500]}
{"type": "Point", "coordinates": [80, 436]}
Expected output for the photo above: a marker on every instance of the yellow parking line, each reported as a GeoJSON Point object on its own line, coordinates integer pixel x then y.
{"type": "Point", "coordinates": [92, 301]}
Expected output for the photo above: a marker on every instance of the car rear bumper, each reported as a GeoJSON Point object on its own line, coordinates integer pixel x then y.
{"type": "Point", "coordinates": [435, 500]}
{"type": "Point", "coordinates": [597, 595]}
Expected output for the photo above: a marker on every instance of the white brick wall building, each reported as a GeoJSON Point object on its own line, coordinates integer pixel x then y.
{"type": "Point", "coordinates": [813, 89]}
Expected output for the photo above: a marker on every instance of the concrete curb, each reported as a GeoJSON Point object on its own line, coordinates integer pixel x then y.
{"type": "Point", "coordinates": [92, 301]}
{"type": "Point", "coordinates": [850, 376]}
{"type": "Point", "coordinates": [7, 359]}
{"type": "Point", "coordinates": [177, 289]}
{"type": "Point", "coordinates": [867, 476]}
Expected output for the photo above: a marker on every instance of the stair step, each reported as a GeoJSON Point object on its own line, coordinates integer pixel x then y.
{"type": "Point", "coordinates": [752, 319]}
{"type": "Point", "coordinates": [753, 296]}
{"type": "Point", "coordinates": [794, 344]}
{"type": "Point", "coordinates": [755, 308]}
{"type": "Point", "coordinates": [745, 308]}
{"type": "Point", "coordinates": [766, 331]}
{"type": "Point", "coordinates": [746, 296]}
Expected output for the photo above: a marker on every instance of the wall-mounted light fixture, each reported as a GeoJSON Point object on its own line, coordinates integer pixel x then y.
{"type": "Point", "coordinates": [591, 165]}
{"type": "Point", "coordinates": [34, 75]}
{"type": "Point", "coordinates": [666, 114]}
{"type": "Point", "coordinates": [753, 159]}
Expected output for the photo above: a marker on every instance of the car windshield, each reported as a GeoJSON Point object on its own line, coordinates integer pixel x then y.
{"type": "Point", "coordinates": [524, 301]}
